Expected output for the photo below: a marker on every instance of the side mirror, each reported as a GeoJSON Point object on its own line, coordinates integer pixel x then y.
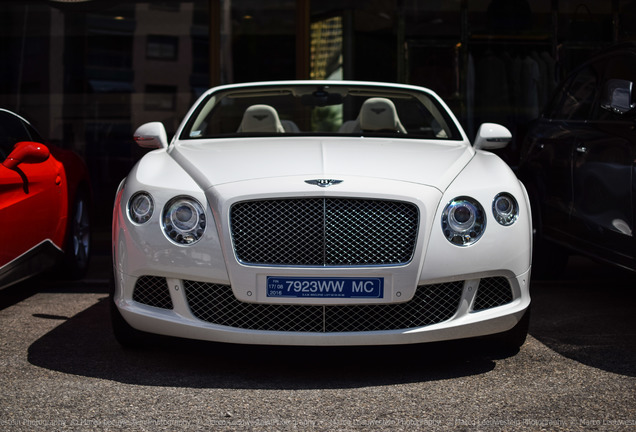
{"type": "Point", "coordinates": [26, 152]}
{"type": "Point", "coordinates": [151, 135]}
{"type": "Point", "coordinates": [491, 136]}
{"type": "Point", "coordinates": [617, 96]}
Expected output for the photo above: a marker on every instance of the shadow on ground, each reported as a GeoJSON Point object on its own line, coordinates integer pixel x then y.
{"type": "Point", "coordinates": [588, 316]}
{"type": "Point", "coordinates": [84, 345]}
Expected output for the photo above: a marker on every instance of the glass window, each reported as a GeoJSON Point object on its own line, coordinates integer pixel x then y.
{"type": "Point", "coordinates": [425, 20]}
{"type": "Point", "coordinates": [262, 38]}
{"type": "Point", "coordinates": [314, 110]}
{"type": "Point", "coordinates": [162, 47]}
{"type": "Point", "coordinates": [575, 100]}
{"type": "Point", "coordinates": [326, 48]}
{"type": "Point", "coordinates": [87, 74]}
{"type": "Point", "coordinates": [12, 131]}
{"type": "Point", "coordinates": [618, 67]}
{"type": "Point", "coordinates": [160, 98]}
{"type": "Point", "coordinates": [585, 20]}
{"type": "Point", "coordinates": [584, 28]}
{"type": "Point", "coordinates": [622, 66]}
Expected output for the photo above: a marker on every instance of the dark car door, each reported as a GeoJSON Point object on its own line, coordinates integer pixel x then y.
{"type": "Point", "coordinates": [603, 167]}
{"type": "Point", "coordinates": [554, 140]}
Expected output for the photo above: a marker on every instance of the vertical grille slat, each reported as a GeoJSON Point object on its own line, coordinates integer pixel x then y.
{"type": "Point", "coordinates": [324, 232]}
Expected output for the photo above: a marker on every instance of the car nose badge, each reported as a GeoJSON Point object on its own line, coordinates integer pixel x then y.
{"type": "Point", "coordinates": [323, 182]}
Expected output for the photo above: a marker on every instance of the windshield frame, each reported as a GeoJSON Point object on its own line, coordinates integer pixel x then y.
{"type": "Point", "coordinates": [323, 95]}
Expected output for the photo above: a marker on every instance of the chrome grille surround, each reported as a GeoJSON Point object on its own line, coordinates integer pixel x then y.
{"type": "Point", "coordinates": [215, 303]}
{"type": "Point", "coordinates": [492, 292]}
{"type": "Point", "coordinates": [324, 232]}
{"type": "Point", "coordinates": [152, 291]}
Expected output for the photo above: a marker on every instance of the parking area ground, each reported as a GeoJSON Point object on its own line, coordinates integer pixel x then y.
{"type": "Point", "coordinates": [63, 370]}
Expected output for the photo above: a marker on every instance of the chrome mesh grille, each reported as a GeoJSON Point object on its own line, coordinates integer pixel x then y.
{"type": "Point", "coordinates": [152, 291]}
{"type": "Point", "coordinates": [216, 304]}
{"type": "Point", "coordinates": [324, 232]}
{"type": "Point", "coordinates": [492, 292]}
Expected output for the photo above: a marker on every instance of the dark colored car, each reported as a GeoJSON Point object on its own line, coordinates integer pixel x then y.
{"type": "Point", "coordinates": [577, 163]}
{"type": "Point", "coordinates": [44, 205]}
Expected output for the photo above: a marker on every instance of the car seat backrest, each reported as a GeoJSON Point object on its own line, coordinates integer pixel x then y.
{"type": "Point", "coordinates": [261, 118]}
{"type": "Point", "coordinates": [379, 114]}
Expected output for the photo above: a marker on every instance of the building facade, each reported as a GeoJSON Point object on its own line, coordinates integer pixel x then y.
{"type": "Point", "coordinates": [87, 73]}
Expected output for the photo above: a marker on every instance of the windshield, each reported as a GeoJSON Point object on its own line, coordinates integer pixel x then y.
{"type": "Point", "coordinates": [320, 110]}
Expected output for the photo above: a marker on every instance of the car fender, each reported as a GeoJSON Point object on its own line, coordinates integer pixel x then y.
{"type": "Point", "coordinates": [146, 246]}
{"type": "Point", "coordinates": [505, 247]}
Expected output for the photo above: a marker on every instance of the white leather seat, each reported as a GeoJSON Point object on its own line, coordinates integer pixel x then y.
{"type": "Point", "coordinates": [261, 118]}
{"type": "Point", "coordinates": [376, 114]}
{"type": "Point", "coordinates": [379, 114]}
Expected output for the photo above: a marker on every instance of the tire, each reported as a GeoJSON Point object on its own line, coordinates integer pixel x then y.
{"type": "Point", "coordinates": [77, 251]}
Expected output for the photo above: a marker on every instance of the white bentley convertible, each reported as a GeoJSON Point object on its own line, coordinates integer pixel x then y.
{"type": "Point", "coordinates": [321, 213]}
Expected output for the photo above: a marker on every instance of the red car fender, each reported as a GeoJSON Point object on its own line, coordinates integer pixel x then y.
{"type": "Point", "coordinates": [34, 206]}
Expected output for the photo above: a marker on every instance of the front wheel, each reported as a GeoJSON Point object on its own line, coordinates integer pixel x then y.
{"type": "Point", "coordinates": [77, 249]}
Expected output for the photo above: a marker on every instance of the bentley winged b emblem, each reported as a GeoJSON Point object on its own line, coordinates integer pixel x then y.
{"type": "Point", "coordinates": [323, 182]}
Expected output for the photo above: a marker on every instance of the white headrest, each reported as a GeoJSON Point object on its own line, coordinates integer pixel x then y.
{"type": "Point", "coordinates": [379, 114]}
{"type": "Point", "coordinates": [260, 118]}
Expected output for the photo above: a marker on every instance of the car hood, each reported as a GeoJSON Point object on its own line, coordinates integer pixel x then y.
{"type": "Point", "coordinates": [220, 161]}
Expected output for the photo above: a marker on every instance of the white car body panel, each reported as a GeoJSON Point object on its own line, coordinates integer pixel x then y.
{"type": "Point", "coordinates": [220, 172]}
{"type": "Point", "coordinates": [231, 160]}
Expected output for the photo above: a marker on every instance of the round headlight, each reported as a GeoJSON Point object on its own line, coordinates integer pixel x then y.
{"type": "Point", "coordinates": [140, 207]}
{"type": "Point", "coordinates": [463, 221]}
{"type": "Point", "coordinates": [505, 209]}
{"type": "Point", "coordinates": [183, 220]}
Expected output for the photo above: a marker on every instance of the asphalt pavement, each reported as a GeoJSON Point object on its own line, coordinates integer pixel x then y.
{"type": "Point", "coordinates": [63, 370]}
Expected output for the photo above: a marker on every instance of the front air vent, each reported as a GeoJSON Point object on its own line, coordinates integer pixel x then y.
{"type": "Point", "coordinates": [492, 292]}
{"type": "Point", "coordinates": [152, 291]}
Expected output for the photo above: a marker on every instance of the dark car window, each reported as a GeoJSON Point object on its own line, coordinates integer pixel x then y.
{"type": "Point", "coordinates": [622, 67]}
{"type": "Point", "coordinates": [575, 99]}
{"type": "Point", "coordinates": [12, 131]}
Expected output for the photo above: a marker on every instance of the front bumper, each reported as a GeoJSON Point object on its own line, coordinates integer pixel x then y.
{"type": "Point", "coordinates": [476, 306]}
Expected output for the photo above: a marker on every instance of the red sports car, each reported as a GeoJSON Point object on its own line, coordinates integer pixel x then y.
{"type": "Point", "coordinates": [44, 205]}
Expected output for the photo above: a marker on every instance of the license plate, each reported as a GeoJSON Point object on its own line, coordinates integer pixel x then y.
{"type": "Point", "coordinates": [325, 287]}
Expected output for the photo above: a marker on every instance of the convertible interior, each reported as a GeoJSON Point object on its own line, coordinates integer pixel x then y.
{"type": "Point", "coordinates": [309, 110]}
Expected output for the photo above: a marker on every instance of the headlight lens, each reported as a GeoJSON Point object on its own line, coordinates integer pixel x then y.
{"type": "Point", "coordinates": [140, 207]}
{"type": "Point", "coordinates": [463, 221]}
{"type": "Point", "coordinates": [505, 209]}
{"type": "Point", "coordinates": [183, 220]}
